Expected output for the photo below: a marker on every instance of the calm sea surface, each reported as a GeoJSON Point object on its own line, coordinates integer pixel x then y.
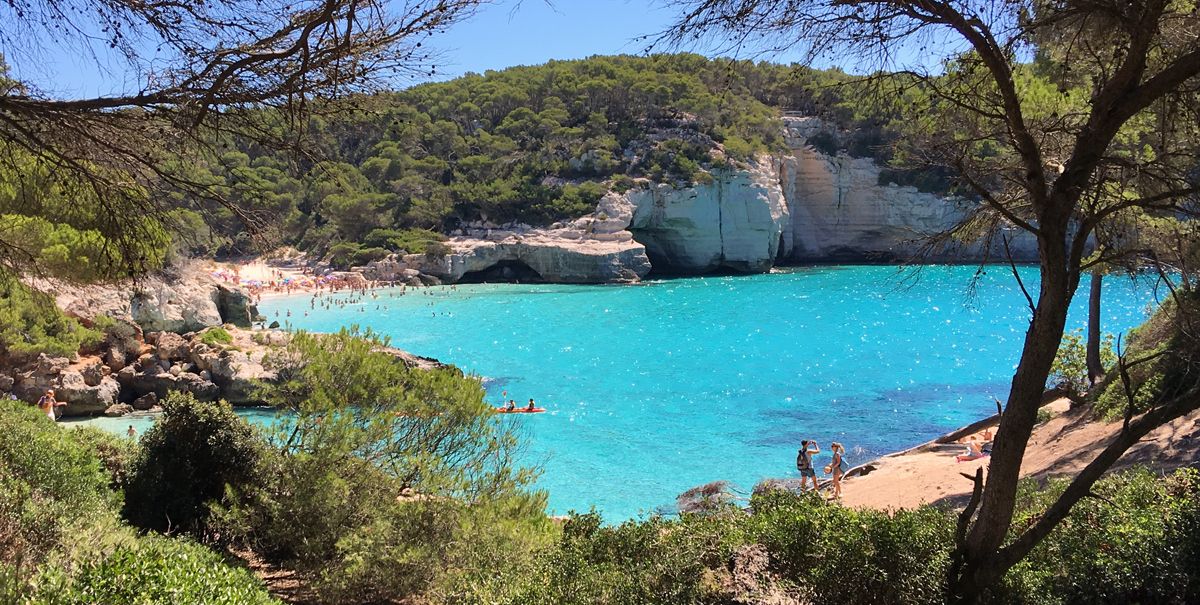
{"type": "Point", "coordinates": [656, 388]}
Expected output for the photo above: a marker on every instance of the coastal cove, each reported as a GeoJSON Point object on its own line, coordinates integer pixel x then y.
{"type": "Point", "coordinates": [655, 388]}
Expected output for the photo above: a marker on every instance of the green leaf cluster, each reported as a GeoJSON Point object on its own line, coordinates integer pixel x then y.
{"type": "Point", "coordinates": [187, 460]}
{"type": "Point", "coordinates": [385, 480]}
{"type": "Point", "coordinates": [1069, 370]}
{"type": "Point", "coordinates": [61, 541]}
{"type": "Point", "coordinates": [1161, 358]}
{"type": "Point", "coordinates": [32, 324]}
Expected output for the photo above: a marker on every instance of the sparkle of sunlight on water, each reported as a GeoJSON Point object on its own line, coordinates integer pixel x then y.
{"type": "Point", "coordinates": [659, 387]}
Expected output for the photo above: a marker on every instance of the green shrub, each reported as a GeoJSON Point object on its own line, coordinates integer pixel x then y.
{"type": "Point", "coordinates": [31, 324]}
{"type": "Point", "coordinates": [48, 482]}
{"type": "Point", "coordinates": [216, 336]}
{"type": "Point", "coordinates": [116, 454]}
{"type": "Point", "coordinates": [153, 569]}
{"type": "Point", "coordinates": [384, 473]}
{"type": "Point", "coordinates": [187, 461]}
{"type": "Point", "coordinates": [412, 241]}
{"type": "Point", "coordinates": [1162, 354]}
{"type": "Point", "coordinates": [1137, 542]}
{"type": "Point", "coordinates": [1070, 364]}
{"type": "Point", "coordinates": [341, 255]}
{"type": "Point", "coordinates": [369, 255]}
{"type": "Point", "coordinates": [845, 555]}
{"type": "Point", "coordinates": [656, 560]}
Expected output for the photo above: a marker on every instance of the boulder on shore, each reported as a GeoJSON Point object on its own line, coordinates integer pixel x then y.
{"type": "Point", "coordinates": [187, 299]}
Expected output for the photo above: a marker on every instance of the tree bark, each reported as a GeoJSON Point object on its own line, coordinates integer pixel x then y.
{"type": "Point", "coordinates": [979, 550]}
{"type": "Point", "coordinates": [1095, 368]}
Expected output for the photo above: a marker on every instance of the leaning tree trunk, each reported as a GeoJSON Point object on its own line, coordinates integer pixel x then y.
{"type": "Point", "coordinates": [1095, 369]}
{"type": "Point", "coordinates": [973, 567]}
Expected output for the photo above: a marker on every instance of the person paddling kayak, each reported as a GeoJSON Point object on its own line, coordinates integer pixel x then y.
{"type": "Point", "coordinates": [531, 406]}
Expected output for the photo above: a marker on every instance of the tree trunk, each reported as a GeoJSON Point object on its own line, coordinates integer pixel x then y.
{"type": "Point", "coordinates": [1095, 369]}
{"type": "Point", "coordinates": [974, 569]}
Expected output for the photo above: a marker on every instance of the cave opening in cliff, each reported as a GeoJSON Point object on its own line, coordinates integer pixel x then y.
{"type": "Point", "coordinates": [505, 271]}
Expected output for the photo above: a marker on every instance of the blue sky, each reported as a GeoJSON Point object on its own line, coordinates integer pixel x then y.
{"type": "Point", "coordinates": [502, 34]}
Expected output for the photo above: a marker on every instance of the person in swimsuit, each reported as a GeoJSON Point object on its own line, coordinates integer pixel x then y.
{"type": "Point", "coordinates": [837, 468]}
{"type": "Point", "coordinates": [804, 462]}
{"type": "Point", "coordinates": [47, 403]}
{"type": "Point", "coordinates": [512, 405]}
{"type": "Point", "coordinates": [530, 408]}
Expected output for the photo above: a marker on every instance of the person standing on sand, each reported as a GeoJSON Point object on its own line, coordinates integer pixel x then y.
{"type": "Point", "coordinates": [47, 403]}
{"type": "Point", "coordinates": [804, 462]}
{"type": "Point", "coordinates": [837, 468]}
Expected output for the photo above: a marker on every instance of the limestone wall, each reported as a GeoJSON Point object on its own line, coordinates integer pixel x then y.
{"type": "Point", "coordinates": [800, 206]}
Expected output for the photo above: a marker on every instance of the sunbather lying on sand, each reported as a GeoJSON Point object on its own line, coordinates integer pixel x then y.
{"type": "Point", "coordinates": [974, 452]}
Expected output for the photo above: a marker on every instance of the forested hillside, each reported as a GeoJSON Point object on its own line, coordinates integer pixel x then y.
{"type": "Point", "coordinates": [529, 144]}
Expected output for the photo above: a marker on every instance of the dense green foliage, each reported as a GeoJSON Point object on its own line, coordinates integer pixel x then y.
{"type": "Point", "coordinates": [1161, 359]}
{"type": "Point", "coordinates": [49, 484]}
{"type": "Point", "coordinates": [385, 480]}
{"type": "Point", "coordinates": [30, 324]}
{"type": "Point", "coordinates": [1070, 365]}
{"type": "Point", "coordinates": [534, 144]}
{"type": "Point", "coordinates": [152, 569]}
{"type": "Point", "coordinates": [187, 461]}
{"type": "Point", "coordinates": [216, 336]}
{"type": "Point", "coordinates": [60, 538]}
{"type": "Point", "coordinates": [60, 542]}
{"type": "Point", "coordinates": [55, 223]}
{"type": "Point", "coordinates": [1138, 542]}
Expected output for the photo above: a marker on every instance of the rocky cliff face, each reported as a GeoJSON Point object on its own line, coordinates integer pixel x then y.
{"type": "Point", "coordinates": [186, 301]}
{"type": "Point", "coordinates": [597, 248]}
{"type": "Point", "coordinates": [801, 206]}
{"type": "Point", "coordinates": [733, 223]}
{"type": "Point", "coordinates": [839, 211]}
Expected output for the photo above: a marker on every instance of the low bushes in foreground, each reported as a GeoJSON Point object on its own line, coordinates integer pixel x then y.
{"type": "Point", "coordinates": [61, 540]}
{"type": "Point", "coordinates": [1138, 541]}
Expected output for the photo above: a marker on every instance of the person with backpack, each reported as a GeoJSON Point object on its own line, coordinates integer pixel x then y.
{"type": "Point", "coordinates": [804, 462]}
{"type": "Point", "coordinates": [47, 404]}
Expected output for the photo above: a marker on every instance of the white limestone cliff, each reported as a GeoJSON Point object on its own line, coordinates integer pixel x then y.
{"type": "Point", "coordinates": [596, 248]}
{"type": "Point", "coordinates": [188, 300]}
{"type": "Point", "coordinates": [733, 222]}
{"type": "Point", "coordinates": [839, 211]}
{"type": "Point", "coordinates": [799, 206]}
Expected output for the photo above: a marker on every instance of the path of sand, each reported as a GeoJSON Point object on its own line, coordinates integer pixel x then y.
{"type": "Point", "coordinates": [1061, 446]}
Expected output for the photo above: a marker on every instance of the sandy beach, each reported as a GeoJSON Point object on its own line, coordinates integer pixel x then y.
{"type": "Point", "coordinates": [264, 280]}
{"type": "Point", "coordinates": [1062, 446]}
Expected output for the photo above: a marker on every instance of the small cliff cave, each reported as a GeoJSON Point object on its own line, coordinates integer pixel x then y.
{"type": "Point", "coordinates": [505, 271]}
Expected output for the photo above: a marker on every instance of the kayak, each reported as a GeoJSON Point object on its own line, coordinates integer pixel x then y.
{"type": "Point", "coordinates": [526, 410]}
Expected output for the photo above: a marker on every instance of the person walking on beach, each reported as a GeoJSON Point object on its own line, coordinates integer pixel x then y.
{"type": "Point", "coordinates": [837, 468]}
{"type": "Point", "coordinates": [804, 463]}
{"type": "Point", "coordinates": [47, 403]}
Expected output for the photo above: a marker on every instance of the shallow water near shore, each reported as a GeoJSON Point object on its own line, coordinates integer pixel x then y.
{"type": "Point", "coordinates": [655, 388]}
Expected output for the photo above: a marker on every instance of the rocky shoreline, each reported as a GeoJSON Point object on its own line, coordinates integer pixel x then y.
{"type": "Point", "coordinates": [181, 330]}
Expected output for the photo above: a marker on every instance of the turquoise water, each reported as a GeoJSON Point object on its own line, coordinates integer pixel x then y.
{"type": "Point", "coordinates": [656, 388]}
